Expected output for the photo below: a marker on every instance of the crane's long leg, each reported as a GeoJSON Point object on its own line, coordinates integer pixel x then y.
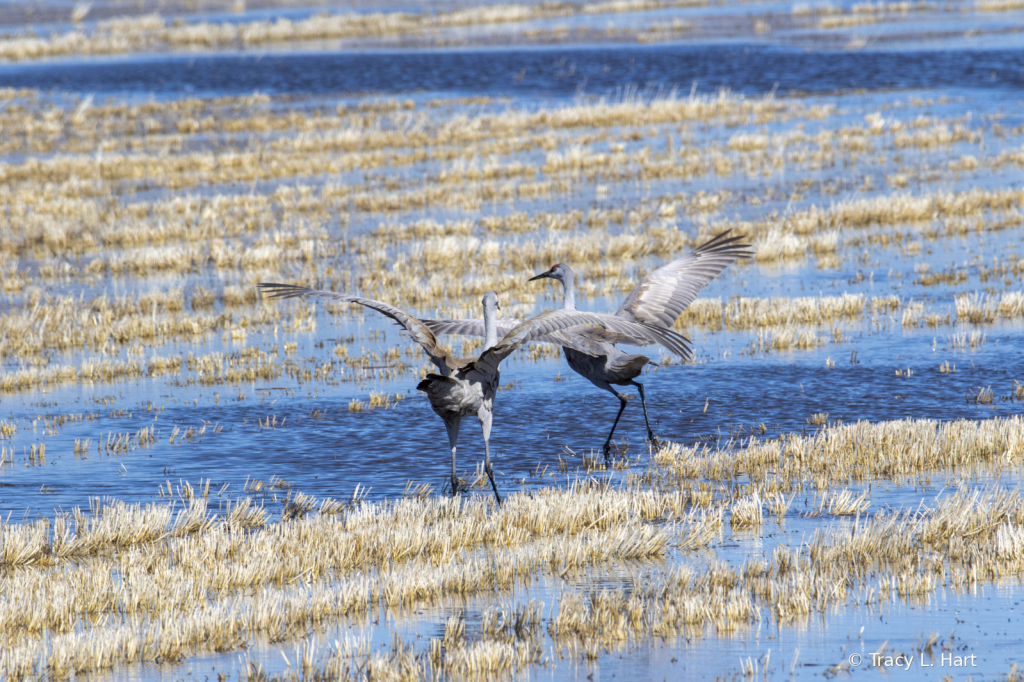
{"type": "Point", "coordinates": [655, 441]}
{"type": "Point", "coordinates": [608, 442]}
{"type": "Point", "coordinates": [453, 438]}
{"type": "Point", "coordinates": [485, 425]}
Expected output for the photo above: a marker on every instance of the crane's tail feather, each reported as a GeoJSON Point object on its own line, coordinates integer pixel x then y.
{"type": "Point", "coordinates": [674, 341]}
{"type": "Point", "coordinates": [431, 380]}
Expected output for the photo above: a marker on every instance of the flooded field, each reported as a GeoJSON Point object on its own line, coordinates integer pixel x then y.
{"type": "Point", "coordinates": [196, 481]}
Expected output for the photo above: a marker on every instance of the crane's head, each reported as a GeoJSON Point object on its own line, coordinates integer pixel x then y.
{"type": "Point", "coordinates": [559, 271]}
{"type": "Point", "coordinates": [491, 301]}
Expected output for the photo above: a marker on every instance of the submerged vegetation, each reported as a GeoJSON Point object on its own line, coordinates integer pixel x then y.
{"type": "Point", "coordinates": [133, 344]}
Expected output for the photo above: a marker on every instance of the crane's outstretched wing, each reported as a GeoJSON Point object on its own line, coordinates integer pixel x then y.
{"type": "Point", "coordinates": [555, 321]}
{"type": "Point", "coordinates": [592, 341]}
{"type": "Point", "coordinates": [663, 295]}
{"type": "Point", "coordinates": [419, 332]}
{"type": "Point", "coordinates": [470, 327]}
{"type": "Point", "coordinates": [584, 339]}
{"type": "Point", "coordinates": [643, 334]}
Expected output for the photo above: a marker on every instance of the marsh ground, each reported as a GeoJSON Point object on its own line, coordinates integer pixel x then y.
{"type": "Point", "coordinates": [195, 482]}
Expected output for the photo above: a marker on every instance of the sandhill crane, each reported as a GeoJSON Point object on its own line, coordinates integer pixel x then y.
{"type": "Point", "coordinates": [468, 386]}
{"type": "Point", "coordinates": [658, 299]}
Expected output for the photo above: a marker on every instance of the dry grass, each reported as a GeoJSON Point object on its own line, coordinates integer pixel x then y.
{"type": "Point", "coordinates": [998, 5]}
{"type": "Point", "coordinates": [64, 323]}
{"type": "Point", "coordinates": [133, 564]}
{"type": "Point", "coordinates": [153, 33]}
{"type": "Point", "coordinates": [982, 395]}
{"type": "Point", "coordinates": [967, 537]}
{"type": "Point", "coordinates": [63, 212]}
{"type": "Point", "coordinates": [975, 309]}
{"type": "Point", "coordinates": [845, 503]}
{"type": "Point", "coordinates": [898, 450]}
{"type": "Point", "coordinates": [876, 562]}
{"type": "Point", "coordinates": [1011, 305]}
{"type": "Point", "coordinates": [747, 513]}
{"type": "Point", "coordinates": [67, 215]}
{"type": "Point", "coordinates": [388, 198]}
{"type": "Point", "coordinates": [786, 338]}
{"type": "Point", "coordinates": [400, 554]}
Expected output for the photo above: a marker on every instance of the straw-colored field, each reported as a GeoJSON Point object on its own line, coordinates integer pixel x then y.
{"type": "Point", "coordinates": [165, 581]}
{"type": "Point", "coordinates": [235, 190]}
{"type": "Point", "coordinates": [105, 28]}
{"type": "Point", "coordinates": [847, 440]}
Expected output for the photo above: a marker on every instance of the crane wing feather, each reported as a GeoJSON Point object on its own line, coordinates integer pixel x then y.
{"type": "Point", "coordinates": [470, 327]}
{"type": "Point", "coordinates": [584, 339]}
{"type": "Point", "coordinates": [419, 332]}
{"type": "Point", "coordinates": [587, 340]}
{"type": "Point", "coordinates": [557, 320]}
{"type": "Point", "coordinates": [664, 294]}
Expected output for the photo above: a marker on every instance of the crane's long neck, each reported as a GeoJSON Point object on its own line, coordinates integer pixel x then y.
{"type": "Point", "coordinates": [568, 292]}
{"type": "Point", "coordinates": [490, 328]}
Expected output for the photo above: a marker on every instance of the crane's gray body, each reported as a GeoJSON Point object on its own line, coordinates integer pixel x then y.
{"type": "Point", "coordinates": [612, 367]}
{"type": "Point", "coordinates": [658, 299]}
{"type": "Point", "coordinates": [470, 391]}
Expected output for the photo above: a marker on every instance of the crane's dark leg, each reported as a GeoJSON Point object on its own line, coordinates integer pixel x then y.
{"type": "Point", "coordinates": [608, 443]}
{"type": "Point", "coordinates": [655, 441]}
{"type": "Point", "coordinates": [485, 425]}
{"type": "Point", "coordinates": [453, 438]}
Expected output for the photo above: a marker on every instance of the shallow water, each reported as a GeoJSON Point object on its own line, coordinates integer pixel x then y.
{"type": "Point", "coordinates": [727, 393]}
{"type": "Point", "coordinates": [317, 446]}
{"type": "Point", "coordinates": [864, 635]}
{"type": "Point", "coordinates": [545, 71]}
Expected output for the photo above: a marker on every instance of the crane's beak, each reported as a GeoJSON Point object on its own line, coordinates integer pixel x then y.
{"type": "Point", "coordinates": [540, 276]}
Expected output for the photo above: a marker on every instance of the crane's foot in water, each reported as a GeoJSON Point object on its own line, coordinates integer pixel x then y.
{"type": "Point", "coordinates": [608, 454]}
{"type": "Point", "coordinates": [458, 486]}
{"type": "Point", "coordinates": [656, 443]}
